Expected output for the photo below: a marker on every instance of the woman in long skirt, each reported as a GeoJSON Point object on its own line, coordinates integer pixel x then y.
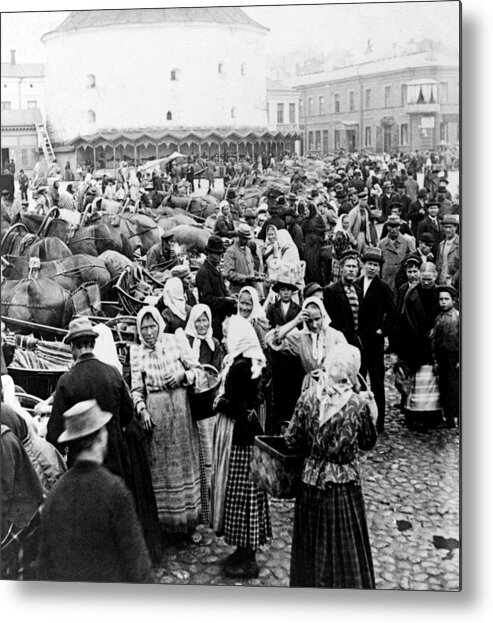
{"type": "Point", "coordinates": [162, 366]}
{"type": "Point", "coordinates": [331, 546]}
{"type": "Point", "coordinates": [239, 507]}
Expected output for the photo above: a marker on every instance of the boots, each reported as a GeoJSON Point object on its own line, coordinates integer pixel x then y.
{"type": "Point", "coordinates": [241, 564]}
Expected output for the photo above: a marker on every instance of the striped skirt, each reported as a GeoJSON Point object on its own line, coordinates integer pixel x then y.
{"type": "Point", "coordinates": [246, 513]}
{"type": "Point", "coordinates": [331, 546]}
{"type": "Point", "coordinates": [173, 455]}
{"type": "Point", "coordinates": [205, 429]}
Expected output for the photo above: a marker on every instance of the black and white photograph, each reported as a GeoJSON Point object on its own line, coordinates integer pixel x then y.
{"type": "Point", "coordinates": [231, 296]}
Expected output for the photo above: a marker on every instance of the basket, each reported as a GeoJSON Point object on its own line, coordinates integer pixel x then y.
{"type": "Point", "coordinates": [275, 467]}
{"type": "Point", "coordinates": [201, 398]}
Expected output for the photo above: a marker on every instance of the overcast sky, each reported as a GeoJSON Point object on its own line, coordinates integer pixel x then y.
{"type": "Point", "coordinates": [292, 27]}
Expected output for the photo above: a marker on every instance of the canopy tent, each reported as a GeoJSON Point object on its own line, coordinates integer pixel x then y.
{"type": "Point", "coordinates": [154, 164]}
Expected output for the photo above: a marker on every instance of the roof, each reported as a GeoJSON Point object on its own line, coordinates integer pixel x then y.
{"type": "Point", "coordinates": [277, 85]}
{"type": "Point", "coordinates": [21, 118]}
{"type": "Point", "coordinates": [23, 70]}
{"type": "Point", "coordinates": [232, 16]}
{"type": "Point", "coordinates": [379, 66]}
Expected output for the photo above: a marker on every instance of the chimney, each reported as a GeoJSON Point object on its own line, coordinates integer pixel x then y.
{"type": "Point", "coordinates": [12, 57]}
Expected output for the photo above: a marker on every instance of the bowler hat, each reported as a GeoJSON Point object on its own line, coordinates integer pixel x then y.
{"type": "Point", "coordinates": [83, 419]}
{"type": "Point", "coordinates": [450, 289]}
{"type": "Point", "coordinates": [431, 203]}
{"type": "Point", "coordinates": [422, 192]}
{"type": "Point", "coordinates": [311, 288]}
{"type": "Point", "coordinates": [372, 254]}
{"type": "Point", "coordinates": [79, 327]}
{"type": "Point", "coordinates": [284, 284]}
{"type": "Point", "coordinates": [450, 219]}
{"type": "Point", "coordinates": [215, 245]}
{"type": "Point", "coordinates": [363, 193]}
{"type": "Point", "coordinates": [231, 194]}
{"type": "Point", "coordinates": [244, 230]}
{"type": "Point", "coordinates": [340, 194]}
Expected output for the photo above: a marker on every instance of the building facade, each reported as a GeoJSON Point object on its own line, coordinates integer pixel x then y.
{"type": "Point", "coordinates": [283, 112]}
{"type": "Point", "coordinates": [403, 103]}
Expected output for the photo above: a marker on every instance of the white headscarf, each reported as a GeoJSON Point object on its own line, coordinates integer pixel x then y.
{"type": "Point", "coordinates": [242, 340]}
{"type": "Point", "coordinates": [174, 297]}
{"type": "Point", "coordinates": [289, 251]}
{"type": "Point", "coordinates": [258, 312]}
{"type": "Point", "coordinates": [156, 316]}
{"type": "Point", "coordinates": [346, 360]}
{"type": "Point", "coordinates": [319, 350]}
{"type": "Point", "coordinates": [339, 226]}
{"type": "Point", "coordinates": [190, 329]}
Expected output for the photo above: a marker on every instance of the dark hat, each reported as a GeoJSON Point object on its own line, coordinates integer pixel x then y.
{"type": "Point", "coordinates": [372, 254]}
{"type": "Point", "coordinates": [450, 219]}
{"type": "Point", "coordinates": [340, 194]}
{"type": "Point", "coordinates": [422, 192]}
{"type": "Point", "coordinates": [427, 237]}
{"type": "Point", "coordinates": [311, 288]}
{"type": "Point", "coordinates": [290, 212]}
{"type": "Point", "coordinates": [431, 203]}
{"type": "Point", "coordinates": [281, 200]}
{"type": "Point", "coordinates": [284, 284]}
{"type": "Point", "coordinates": [395, 203]}
{"type": "Point", "coordinates": [273, 209]}
{"type": "Point", "coordinates": [450, 289]}
{"type": "Point", "coordinates": [215, 245]}
{"type": "Point", "coordinates": [83, 419]}
{"type": "Point", "coordinates": [314, 193]}
{"type": "Point", "coordinates": [231, 194]}
{"type": "Point", "coordinates": [348, 255]}
{"type": "Point", "coordinates": [166, 235]}
{"type": "Point", "coordinates": [363, 193]}
{"type": "Point", "coordinates": [79, 327]}
{"type": "Point", "coordinates": [442, 189]}
{"type": "Point", "coordinates": [412, 259]}
{"type": "Point", "coordinates": [394, 220]}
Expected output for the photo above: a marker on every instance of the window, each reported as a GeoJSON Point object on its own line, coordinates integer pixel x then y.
{"type": "Point", "coordinates": [337, 103]}
{"type": "Point", "coordinates": [90, 81]}
{"type": "Point", "coordinates": [404, 134]}
{"type": "Point", "coordinates": [318, 142]}
{"type": "Point", "coordinates": [174, 74]}
{"type": "Point", "coordinates": [6, 105]}
{"type": "Point", "coordinates": [367, 136]}
{"type": "Point", "coordinates": [310, 106]}
{"type": "Point", "coordinates": [321, 105]}
{"type": "Point", "coordinates": [268, 113]}
{"type": "Point", "coordinates": [32, 104]}
{"type": "Point", "coordinates": [443, 92]}
{"type": "Point", "coordinates": [243, 69]}
{"type": "Point", "coordinates": [234, 111]}
{"type": "Point", "coordinates": [368, 99]}
{"type": "Point", "coordinates": [444, 134]}
{"type": "Point", "coordinates": [403, 94]}
{"type": "Point", "coordinates": [280, 113]}
{"type": "Point", "coordinates": [387, 96]}
{"type": "Point", "coordinates": [310, 141]}
{"type": "Point", "coordinates": [91, 116]}
{"type": "Point", "coordinates": [220, 68]}
{"type": "Point", "coordinates": [337, 139]}
{"type": "Point", "coordinates": [292, 113]}
{"type": "Point", "coordinates": [351, 100]}
{"type": "Point", "coordinates": [169, 116]}
{"type": "Point", "coordinates": [325, 141]}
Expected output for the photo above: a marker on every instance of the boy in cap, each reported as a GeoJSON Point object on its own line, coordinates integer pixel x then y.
{"type": "Point", "coordinates": [89, 527]}
{"type": "Point", "coordinates": [446, 347]}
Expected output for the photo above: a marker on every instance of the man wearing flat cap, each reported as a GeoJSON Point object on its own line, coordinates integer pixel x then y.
{"type": "Point", "coordinates": [89, 527]}
{"type": "Point", "coordinates": [161, 256]}
{"type": "Point", "coordinates": [386, 199]}
{"type": "Point", "coordinates": [239, 268]}
{"type": "Point", "coordinates": [395, 247]}
{"type": "Point", "coordinates": [448, 254]}
{"type": "Point", "coordinates": [90, 378]}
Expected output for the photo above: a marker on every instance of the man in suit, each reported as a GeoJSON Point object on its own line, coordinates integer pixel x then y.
{"type": "Point", "coordinates": [448, 255]}
{"type": "Point", "coordinates": [212, 287]}
{"type": "Point", "coordinates": [376, 319]}
{"type": "Point", "coordinates": [404, 200]}
{"type": "Point", "coordinates": [395, 247]}
{"type": "Point", "coordinates": [386, 200]}
{"type": "Point", "coordinates": [431, 225]}
{"type": "Point", "coordinates": [342, 299]}
{"type": "Point", "coordinates": [417, 210]}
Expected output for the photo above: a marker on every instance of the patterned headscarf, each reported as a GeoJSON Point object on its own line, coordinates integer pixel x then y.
{"type": "Point", "coordinates": [190, 329]}
{"type": "Point", "coordinates": [174, 297]}
{"type": "Point", "coordinates": [156, 316]}
{"type": "Point", "coordinates": [258, 312]}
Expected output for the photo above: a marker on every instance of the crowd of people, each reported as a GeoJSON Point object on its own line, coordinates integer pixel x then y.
{"type": "Point", "coordinates": [298, 300]}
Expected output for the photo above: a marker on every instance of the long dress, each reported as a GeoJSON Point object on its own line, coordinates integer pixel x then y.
{"type": "Point", "coordinates": [173, 451]}
{"type": "Point", "coordinates": [314, 231]}
{"type": "Point", "coordinates": [331, 546]}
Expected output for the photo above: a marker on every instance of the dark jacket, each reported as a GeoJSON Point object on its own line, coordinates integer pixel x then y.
{"type": "Point", "coordinates": [213, 292]}
{"type": "Point", "coordinates": [297, 236]}
{"type": "Point", "coordinates": [275, 314]}
{"type": "Point", "coordinates": [93, 379]}
{"type": "Point", "coordinates": [429, 227]}
{"type": "Point", "coordinates": [207, 356]}
{"type": "Point", "coordinates": [337, 305]}
{"type": "Point", "coordinates": [159, 259]}
{"type": "Point", "coordinates": [90, 531]}
{"type": "Point", "coordinates": [415, 215]}
{"type": "Point", "coordinates": [377, 308]}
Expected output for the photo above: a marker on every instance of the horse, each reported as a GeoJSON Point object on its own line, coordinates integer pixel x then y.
{"type": "Point", "coordinates": [200, 207]}
{"type": "Point", "coordinates": [69, 272]}
{"type": "Point", "coordinates": [41, 301]}
{"type": "Point", "coordinates": [49, 249]}
{"type": "Point", "coordinates": [138, 230]}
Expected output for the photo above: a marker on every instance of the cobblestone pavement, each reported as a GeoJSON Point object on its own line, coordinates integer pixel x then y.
{"type": "Point", "coordinates": [411, 486]}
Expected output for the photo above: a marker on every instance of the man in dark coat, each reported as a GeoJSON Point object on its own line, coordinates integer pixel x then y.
{"type": "Point", "coordinates": [417, 210]}
{"type": "Point", "coordinates": [342, 299]}
{"type": "Point", "coordinates": [89, 528]}
{"type": "Point", "coordinates": [212, 287]}
{"type": "Point", "coordinates": [431, 225]}
{"type": "Point", "coordinates": [89, 379]}
{"type": "Point", "coordinates": [274, 219]}
{"type": "Point", "coordinates": [294, 229]}
{"type": "Point", "coordinates": [386, 200]}
{"type": "Point", "coordinates": [376, 318]}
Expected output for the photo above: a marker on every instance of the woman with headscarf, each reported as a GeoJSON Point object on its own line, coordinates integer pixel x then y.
{"type": "Point", "coordinates": [239, 507]}
{"type": "Point", "coordinates": [331, 546]}
{"type": "Point", "coordinates": [173, 305]}
{"type": "Point", "coordinates": [249, 307]}
{"type": "Point", "coordinates": [162, 367]}
{"type": "Point", "coordinates": [207, 350]}
{"type": "Point", "coordinates": [314, 233]}
{"type": "Point", "coordinates": [225, 227]}
{"type": "Point", "coordinates": [312, 343]}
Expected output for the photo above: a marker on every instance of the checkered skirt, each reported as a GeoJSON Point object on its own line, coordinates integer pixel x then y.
{"type": "Point", "coordinates": [331, 546]}
{"type": "Point", "coordinates": [246, 515]}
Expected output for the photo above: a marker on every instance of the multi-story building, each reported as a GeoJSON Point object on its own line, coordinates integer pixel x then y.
{"type": "Point", "coordinates": [22, 86]}
{"type": "Point", "coordinates": [283, 113]}
{"type": "Point", "coordinates": [402, 103]}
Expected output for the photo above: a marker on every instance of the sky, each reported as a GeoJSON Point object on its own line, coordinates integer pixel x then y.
{"type": "Point", "coordinates": [308, 27]}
